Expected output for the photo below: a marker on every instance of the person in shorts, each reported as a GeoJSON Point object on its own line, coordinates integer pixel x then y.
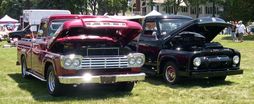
{"type": "Point", "coordinates": [241, 29]}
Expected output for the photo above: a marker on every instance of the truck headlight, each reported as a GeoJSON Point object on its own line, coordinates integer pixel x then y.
{"type": "Point", "coordinates": [136, 59]}
{"type": "Point", "coordinates": [67, 62]}
{"type": "Point", "coordinates": [197, 61]}
{"type": "Point", "coordinates": [139, 60]}
{"type": "Point", "coordinates": [71, 61]}
{"type": "Point", "coordinates": [76, 62]}
{"type": "Point", "coordinates": [236, 59]}
{"type": "Point", "coordinates": [131, 61]}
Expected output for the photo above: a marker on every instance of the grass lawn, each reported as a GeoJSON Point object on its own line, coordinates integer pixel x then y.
{"type": "Point", "coordinates": [237, 89]}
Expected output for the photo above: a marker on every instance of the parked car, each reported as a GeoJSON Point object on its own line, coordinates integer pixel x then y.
{"type": "Point", "coordinates": [83, 51]}
{"type": "Point", "coordinates": [179, 46]}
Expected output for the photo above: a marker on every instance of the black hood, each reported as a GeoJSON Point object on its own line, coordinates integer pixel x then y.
{"type": "Point", "coordinates": [209, 27]}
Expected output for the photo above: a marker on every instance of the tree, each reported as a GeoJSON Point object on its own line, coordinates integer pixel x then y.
{"type": "Point", "coordinates": [112, 7]}
{"type": "Point", "coordinates": [215, 2]}
{"type": "Point", "coordinates": [93, 5]}
{"type": "Point", "coordinates": [196, 4]}
{"type": "Point", "coordinates": [238, 10]}
{"type": "Point", "coordinates": [124, 6]}
{"type": "Point", "coordinates": [173, 3]}
{"type": "Point", "coordinates": [151, 4]}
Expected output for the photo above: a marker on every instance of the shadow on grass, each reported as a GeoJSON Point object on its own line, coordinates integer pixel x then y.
{"type": "Point", "coordinates": [248, 37]}
{"type": "Point", "coordinates": [39, 92]}
{"type": "Point", "coordinates": [188, 82]}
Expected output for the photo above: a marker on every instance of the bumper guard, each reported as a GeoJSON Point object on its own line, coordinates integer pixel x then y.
{"type": "Point", "coordinates": [101, 79]}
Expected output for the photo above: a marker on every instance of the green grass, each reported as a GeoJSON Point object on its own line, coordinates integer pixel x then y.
{"type": "Point", "coordinates": [237, 89]}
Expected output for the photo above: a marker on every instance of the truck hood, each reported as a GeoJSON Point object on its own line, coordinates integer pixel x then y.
{"type": "Point", "coordinates": [209, 27]}
{"type": "Point", "coordinates": [118, 31]}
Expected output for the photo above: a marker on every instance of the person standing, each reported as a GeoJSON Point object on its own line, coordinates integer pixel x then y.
{"type": "Point", "coordinates": [233, 29]}
{"type": "Point", "coordinates": [241, 29]}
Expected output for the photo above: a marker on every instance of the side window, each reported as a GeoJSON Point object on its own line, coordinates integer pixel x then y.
{"type": "Point", "coordinates": [150, 30]}
{"type": "Point", "coordinates": [43, 29]}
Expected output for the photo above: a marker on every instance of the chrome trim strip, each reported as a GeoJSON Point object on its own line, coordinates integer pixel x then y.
{"type": "Point", "coordinates": [98, 78]}
{"type": "Point", "coordinates": [29, 73]}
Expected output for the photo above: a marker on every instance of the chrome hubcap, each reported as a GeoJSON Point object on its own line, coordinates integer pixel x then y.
{"type": "Point", "coordinates": [51, 81]}
{"type": "Point", "coordinates": [170, 74]}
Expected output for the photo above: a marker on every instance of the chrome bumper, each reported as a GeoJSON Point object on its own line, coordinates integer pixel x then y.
{"type": "Point", "coordinates": [101, 79]}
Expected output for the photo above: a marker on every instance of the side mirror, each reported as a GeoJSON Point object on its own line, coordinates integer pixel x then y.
{"type": "Point", "coordinates": [40, 32]}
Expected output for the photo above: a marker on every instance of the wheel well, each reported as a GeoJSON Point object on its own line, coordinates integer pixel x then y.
{"type": "Point", "coordinates": [21, 57]}
{"type": "Point", "coordinates": [46, 69]}
{"type": "Point", "coordinates": [163, 63]}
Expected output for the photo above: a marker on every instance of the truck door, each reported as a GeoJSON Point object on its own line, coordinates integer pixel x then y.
{"type": "Point", "coordinates": [39, 46]}
{"type": "Point", "coordinates": [148, 42]}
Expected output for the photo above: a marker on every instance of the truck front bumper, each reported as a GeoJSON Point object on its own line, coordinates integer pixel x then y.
{"type": "Point", "coordinates": [211, 73]}
{"type": "Point", "coordinates": [101, 79]}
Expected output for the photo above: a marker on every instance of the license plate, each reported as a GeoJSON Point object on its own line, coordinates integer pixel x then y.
{"type": "Point", "coordinates": [108, 79]}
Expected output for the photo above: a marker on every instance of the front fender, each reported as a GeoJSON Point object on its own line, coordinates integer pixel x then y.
{"type": "Point", "coordinates": [50, 59]}
{"type": "Point", "coordinates": [180, 58]}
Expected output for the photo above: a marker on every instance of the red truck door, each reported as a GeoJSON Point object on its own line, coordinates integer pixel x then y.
{"type": "Point", "coordinates": [38, 52]}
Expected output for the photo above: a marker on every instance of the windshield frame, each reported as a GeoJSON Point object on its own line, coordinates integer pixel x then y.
{"type": "Point", "coordinates": [51, 31]}
{"type": "Point", "coordinates": [159, 22]}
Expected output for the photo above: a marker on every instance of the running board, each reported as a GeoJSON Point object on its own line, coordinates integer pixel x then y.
{"type": "Point", "coordinates": [29, 73]}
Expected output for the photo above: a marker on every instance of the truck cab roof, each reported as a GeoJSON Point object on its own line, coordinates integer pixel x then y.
{"type": "Point", "coordinates": [67, 16]}
{"type": "Point", "coordinates": [149, 18]}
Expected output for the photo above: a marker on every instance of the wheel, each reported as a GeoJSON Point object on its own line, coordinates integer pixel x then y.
{"type": "Point", "coordinates": [23, 68]}
{"type": "Point", "coordinates": [125, 86]}
{"type": "Point", "coordinates": [218, 78]}
{"type": "Point", "coordinates": [170, 73]}
{"type": "Point", "coordinates": [53, 85]}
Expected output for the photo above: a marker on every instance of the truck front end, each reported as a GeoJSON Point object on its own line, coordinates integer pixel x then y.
{"type": "Point", "coordinates": [96, 52]}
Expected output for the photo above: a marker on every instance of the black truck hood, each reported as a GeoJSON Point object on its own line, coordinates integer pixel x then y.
{"type": "Point", "coordinates": [209, 27]}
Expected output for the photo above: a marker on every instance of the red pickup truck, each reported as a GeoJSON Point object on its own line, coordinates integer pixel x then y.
{"type": "Point", "coordinates": [83, 50]}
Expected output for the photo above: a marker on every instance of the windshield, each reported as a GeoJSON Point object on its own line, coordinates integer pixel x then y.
{"type": "Point", "coordinates": [168, 25]}
{"type": "Point", "coordinates": [54, 26]}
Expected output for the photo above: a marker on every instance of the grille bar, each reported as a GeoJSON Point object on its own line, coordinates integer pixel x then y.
{"type": "Point", "coordinates": [104, 62]}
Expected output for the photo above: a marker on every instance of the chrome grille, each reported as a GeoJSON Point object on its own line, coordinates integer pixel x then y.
{"type": "Point", "coordinates": [104, 62]}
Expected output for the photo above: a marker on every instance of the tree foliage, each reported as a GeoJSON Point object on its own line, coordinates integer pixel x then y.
{"type": "Point", "coordinates": [238, 10]}
{"type": "Point", "coordinates": [14, 7]}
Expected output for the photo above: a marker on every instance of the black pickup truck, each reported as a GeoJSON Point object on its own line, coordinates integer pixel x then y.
{"type": "Point", "coordinates": [27, 32]}
{"type": "Point", "coordinates": [179, 46]}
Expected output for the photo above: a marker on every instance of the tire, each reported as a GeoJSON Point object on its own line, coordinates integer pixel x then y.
{"type": "Point", "coordinates": [170, 73]}
{"type": "Point", "coordinates": [218, 78]}
{"type": "Point", "coordinates": [125, 86]}
{"type": "Point", "coordinates": [54, 87]}
{"type": "Point", "coordinates": [23, 68]}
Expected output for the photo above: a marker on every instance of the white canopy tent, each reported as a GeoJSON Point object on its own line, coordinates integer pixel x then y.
{"type": "Point", "coordinates": [8, 24]}
{"type": "Point", "coordinates": [153, 13]}
{"type": "Point", "coordinates": [8, 19]}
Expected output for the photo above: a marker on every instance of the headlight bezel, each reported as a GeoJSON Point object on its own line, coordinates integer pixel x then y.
{"type": "Point", "coordinates": [72, 58]}
{"type": "Point", "coordinates": [134, 57]}
{"type": "Point", "coordinates": [197, 61]}
{"type": "Point", "coordinates": [236, 59]}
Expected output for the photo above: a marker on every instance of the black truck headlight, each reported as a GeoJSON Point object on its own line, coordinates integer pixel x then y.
{"type": "Point", "coordinates": [236, 59]}
{"type": "Point", "coordinates": [136, 59]}
{"type": "Point", "coordinates": [197, 61]}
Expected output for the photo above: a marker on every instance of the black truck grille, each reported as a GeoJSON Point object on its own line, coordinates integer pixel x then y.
{"type": "Point", "coordinates": [102, 51]}
{"type": "Point", "coordinates": [216, 63]}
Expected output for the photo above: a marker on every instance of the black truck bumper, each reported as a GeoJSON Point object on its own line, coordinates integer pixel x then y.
{"type": "Point", "coordinates": [211, 73]}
